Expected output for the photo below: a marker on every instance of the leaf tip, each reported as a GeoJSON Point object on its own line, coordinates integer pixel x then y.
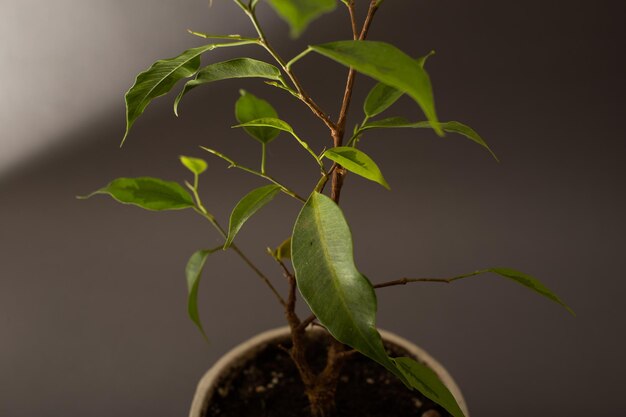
{"type": "Point", "coordinates": [86, 196]}
{"type": "Point", "coordinates": [124, 138]}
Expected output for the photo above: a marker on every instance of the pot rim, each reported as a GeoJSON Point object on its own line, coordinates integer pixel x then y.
{"type": "Point", "coordinates": [244, 350]}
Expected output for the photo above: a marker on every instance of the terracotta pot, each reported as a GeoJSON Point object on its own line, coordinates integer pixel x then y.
{"type": "Point", "coordinates": [246, 350]}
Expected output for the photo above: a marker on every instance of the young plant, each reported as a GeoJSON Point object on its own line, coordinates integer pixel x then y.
{"type": "Point", "coordinates": [341, 299]}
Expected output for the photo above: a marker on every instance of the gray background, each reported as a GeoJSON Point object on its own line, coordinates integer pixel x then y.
{"type": "Point", "coordinates": [92, 294]}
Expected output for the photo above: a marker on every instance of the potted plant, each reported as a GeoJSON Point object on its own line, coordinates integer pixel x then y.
{"type": "Point", "coordinates": [317, 260]}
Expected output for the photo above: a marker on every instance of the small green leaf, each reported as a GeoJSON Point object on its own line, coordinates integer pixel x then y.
{"type": "Point", "coordinates": [530, 282]}
{"type": "Point", "coordinates": [280, 125]}
{"type": "Point", "coordinates": [148, 193]}
{"type": "Point", "coordinates": [247, 206]}
{"type": "Point", "coordinates": [283, 251]}
{"type": "Point", "coordinates": [299, 13]}
{"type": "Point", "coordinates": [234, 68]}
{"type": "Point", "coordinates": [382, 96]}
{"type": "Point", "coordinates": [423, 379]}
{"type": "Point", "coordinates": [161, 77]}
{"type": "Point", "coordinates": [193, 272]}
{"type": "Point", "coordinates": [451, 127]}
{"type": "Point", "coordinates": [195, 165]}
{"type": "Point", "coordinates": [389, 65]}
{"type": "Point", "coordinates": [338, 294]}
{"type": "Point", "coordinates": [268, 122]}
{"type": "Point", "coordinates": [249, 108]}
{"type": "Point", "coordinates": [358, 162]}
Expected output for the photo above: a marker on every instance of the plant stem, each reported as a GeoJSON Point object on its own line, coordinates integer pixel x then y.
{"type": "Point", "coordinates": [308, 321]}
{"type": "Point", "coordinates": [404, 281]}
{"type": "Point", "coordinates": [338, 133]}
{"type": "Point", "coordinates": [263, 152]}
{"type": "Point", "coordinates": [234, 164]}
{"type": "Point", "coordinates": [200, 209]}
{"type": "Point", "coordinates": [297, 58]}
{"type": "Point", "coordinates": [209, 36]}
{"type": "Point", "coordinates": [302, 95]}
{"type": "Point", "coordinates": [351, 11]}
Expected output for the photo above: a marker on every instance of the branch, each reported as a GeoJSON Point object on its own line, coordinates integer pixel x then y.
{"type": "Point", "coordinates": [338, 133]}
{"type": "Point", "coordinates": [234, 164]}
{"type": "Point", "coordinates": [302, 95]}
{"type": "Point", "coordinates": [350, 5]}
{"type": "Point", "coordinates": [309, 320]}
{"type": "Point", "coordinates": [404, 281]}
{"type": "Point", "coordinates": [200, 210]}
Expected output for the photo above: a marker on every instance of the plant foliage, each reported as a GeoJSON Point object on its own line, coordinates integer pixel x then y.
{"type": "Point", "coordinates": [320, 250]}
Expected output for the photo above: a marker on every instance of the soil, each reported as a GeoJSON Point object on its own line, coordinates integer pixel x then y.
{"type": "Point", "coordinates": [268, 385]}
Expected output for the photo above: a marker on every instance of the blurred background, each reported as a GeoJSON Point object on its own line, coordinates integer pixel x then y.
{"type": "Point", "coordinates": [92, 293]}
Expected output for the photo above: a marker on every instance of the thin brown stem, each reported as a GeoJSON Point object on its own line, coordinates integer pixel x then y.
{"type": "Point", "coordinates": [306, 322]}
{"type": "Point", "coordinates": [302, 94]}
{"type": "Point", "coordinates": [369, 18]}
{"type": "Point", "coordinates": [202, 211]}
{"type": "Point", "coordinates": [405, 281]}
{"type": "Point", "coordinates": [352, 12]}
{"type": "Point", "coordinates": [261, 275]}
{"type": "Point", "coordinates": [338, 133]}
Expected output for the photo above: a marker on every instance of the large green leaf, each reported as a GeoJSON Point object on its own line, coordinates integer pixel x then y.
{"type": "Point", "coordinates": [342, 298]}
{"type": "Point", "coordinates": [299, 13]}
{"type": "Point", "coordinates": [452, 127]}
{"type": "Point", "coordinates": [530, 282]}
{"type": "Point", "coordinates": [161, 77]}
{"type": "Point", "coordinates": [234, 68]}
{"type": "Point", "coordinates": [338, 294]}
{"type": "Point", "coordinates": [148, 193]}
{"type": "Point", "coordinates": [382, 96]}
{"type": "Point", "coordinates": [358, 162]}
{"type": "Point", "coordinates": [193, 272]}
{"type": "Point", "coordinates": [428, 383]}
{"type": "Point", "coordinates": [247, 206]}
{"type": "Point", "coordinates": [389, 65]}
{"type": "Point", "coordinates": [249, 108]}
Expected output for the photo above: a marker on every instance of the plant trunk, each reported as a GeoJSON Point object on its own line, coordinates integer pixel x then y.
{"type": "Point", "coordinates": [322, 399]}
{"type": "Point", "coordinates": [320, 386]}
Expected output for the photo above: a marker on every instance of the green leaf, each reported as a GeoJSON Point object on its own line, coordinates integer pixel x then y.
{"type": "Point", "coordinates": [299, 13]}
{"type": "Point", "coordinates": [161, 77]}
{"type": "Point", "coordinates": [148, 193]}
{"type": "Point", "coordinates": [193, 272]}
{"type": "Point", "coordinates": [530, 282]}
{"type": "Point", "coordinates": [234, 68]}
{"type": "Point", "coordinates": [338, 294]}
{"type": "Point", "coordinates": [389, 65]}
{"type": "Point", "coordinates": [275, 123]}
{"type": "Point", "coordinates": [451, 127]}
{"type": "Point", "coordinates": [195, 165]}
{"type": "Point", "coordinates": [283, 251]}
{"type": "Point", "coordinates": [382, 96]}
{"type": "Point", "coordinates": [247, 206]}
{"type": "Point", "coordinates": [249, 108]}
{"type": "Point", "coordinates": [358, 162]}
{"type": "Point", "coordinates": [342, 298]}
{"type": "Point", "coordinates": [428, 383]}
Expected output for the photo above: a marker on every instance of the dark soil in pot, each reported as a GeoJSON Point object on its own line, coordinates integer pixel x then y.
{"type": "Point", "coordinates": [268, 385]}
